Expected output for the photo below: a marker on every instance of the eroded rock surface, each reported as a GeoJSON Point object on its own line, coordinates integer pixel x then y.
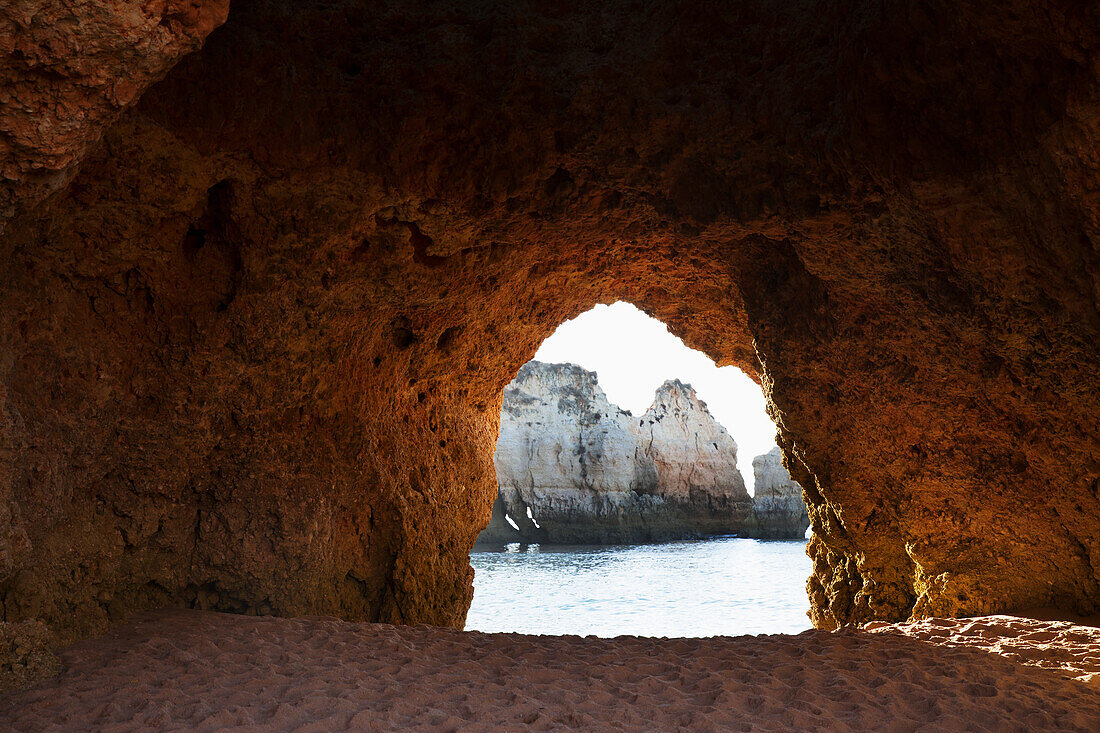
{"type": "Point", "coordinates": [25, 654]}
{"type": "Point", "coordinates": [778, 511]}
{"type": "Point", "coordinates": [251, 357]}
{"type": "Point", "coordinates": [573, 468]}
{"type": "Point", "coordinates": [69, 69]}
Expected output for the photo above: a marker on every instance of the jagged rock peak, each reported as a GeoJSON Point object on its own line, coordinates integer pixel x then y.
{"type": "Point", "coordinates": [675, 394]}
{"type": "Point", "coordinates": [575, 391]}
{"type": "Point", "coordinates": [564, 373]}
{"type": "Point", "coordinates": [573, 467]}
{"type": "Point", "coordinates": [578, 390]}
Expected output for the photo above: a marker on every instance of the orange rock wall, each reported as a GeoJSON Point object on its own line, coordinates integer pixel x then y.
{"type": "Point", "coordinates": [70, 68]}
{"type": "Point", "coordinates": [251, 358]}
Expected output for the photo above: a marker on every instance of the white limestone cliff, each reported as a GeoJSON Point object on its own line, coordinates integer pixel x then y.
{"type": "Point", "coordinates": [779, 511]}
{"type": "Point", "coordinates": [574, 468]}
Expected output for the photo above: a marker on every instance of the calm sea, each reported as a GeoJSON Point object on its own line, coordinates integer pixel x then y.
{"type": "Point", "coordinates": [717, 587]}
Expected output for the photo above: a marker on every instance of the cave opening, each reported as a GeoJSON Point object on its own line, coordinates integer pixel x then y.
{"type": "Point", "coordinates": [640, 492]}
{"type": "Point", "coordinates": [263, 286]}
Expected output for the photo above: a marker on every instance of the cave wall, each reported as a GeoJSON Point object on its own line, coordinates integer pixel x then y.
{"type": "Point", "coordinates": [251, 357]}
{"type": "Point", "coordinates": [68, 71]}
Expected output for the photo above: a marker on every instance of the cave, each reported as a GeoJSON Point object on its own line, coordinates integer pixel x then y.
{"type": "Point", "coordinates": [267, 268]}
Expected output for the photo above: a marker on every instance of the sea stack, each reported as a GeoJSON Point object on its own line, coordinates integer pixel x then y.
{"type": "Point", "coordinates": [573, 468]}
{"type": "Point", "coordinates": [778, 510]}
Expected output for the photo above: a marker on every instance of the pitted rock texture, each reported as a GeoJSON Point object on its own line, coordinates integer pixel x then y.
{"type": "Point", "coordinates": [69, 69]}
{"type": "Point", "coordinates": [778, 511]}
{"type": "Point", "coordinates": [25, 654]}
{"type": "Point", "coordinates": [252, 356]}
{"type": "Point", "coordinates": [573, 468]}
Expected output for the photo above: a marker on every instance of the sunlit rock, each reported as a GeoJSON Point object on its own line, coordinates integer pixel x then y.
{"type": "Point", "coordinates": [574, 468]}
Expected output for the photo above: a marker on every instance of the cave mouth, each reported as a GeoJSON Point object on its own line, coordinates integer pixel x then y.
{"type": "Point", "coordinates": [252, 355]}
{"type": "Point", "coordinates": [633, 354]}
{"type": "Point", "coordinates": [626, 467]}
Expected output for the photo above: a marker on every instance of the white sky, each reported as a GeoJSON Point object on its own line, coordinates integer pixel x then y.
{"type": "Point", "coordinates": [633, 354]}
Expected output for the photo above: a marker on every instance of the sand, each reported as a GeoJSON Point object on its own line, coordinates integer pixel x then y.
{"type": "Point", "coordinates": [191, 670]}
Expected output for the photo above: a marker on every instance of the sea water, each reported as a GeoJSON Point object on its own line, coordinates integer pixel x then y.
{"type": "Point", "coordinates": [718, 587]}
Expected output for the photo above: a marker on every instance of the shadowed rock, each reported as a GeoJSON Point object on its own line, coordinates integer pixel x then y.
{"type": "Point", "coordinates": [778, 511]}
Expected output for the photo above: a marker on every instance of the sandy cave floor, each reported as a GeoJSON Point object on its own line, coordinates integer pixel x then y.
{"type": "Point", "coordinates": [193, 670]}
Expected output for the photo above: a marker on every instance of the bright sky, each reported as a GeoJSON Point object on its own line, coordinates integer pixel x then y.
{"type": "Point", "coordinates": [634, 354]}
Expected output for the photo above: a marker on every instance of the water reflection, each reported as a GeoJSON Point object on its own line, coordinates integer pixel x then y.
{"type": "Point", "coordinates": [725, 586]}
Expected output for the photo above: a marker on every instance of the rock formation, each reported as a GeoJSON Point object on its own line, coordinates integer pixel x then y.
{"type": "Point", "coordinates": [252, 354]}
{"type": "Point", "coordinates": [778, 511]}
{"type": "Point", "coordinates": [71, 68]}
{"type": "Point", "coordinates": [572, 468]}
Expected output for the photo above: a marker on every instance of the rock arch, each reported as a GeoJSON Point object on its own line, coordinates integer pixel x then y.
{"type": "Point", "coordinates": [253, 352]}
